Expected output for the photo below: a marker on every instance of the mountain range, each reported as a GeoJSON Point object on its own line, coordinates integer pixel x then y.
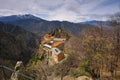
{"type": "Point", "coordinates": [40, 26]}
{"type": "Point", "coordinates": [97, 23]}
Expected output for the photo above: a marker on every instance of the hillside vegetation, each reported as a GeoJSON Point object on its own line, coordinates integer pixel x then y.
{"type": "Point", "coordinates": [16, 43]}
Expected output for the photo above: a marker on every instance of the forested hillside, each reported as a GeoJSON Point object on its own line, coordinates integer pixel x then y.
{"type": "Point", "coordinates": [16, 43]}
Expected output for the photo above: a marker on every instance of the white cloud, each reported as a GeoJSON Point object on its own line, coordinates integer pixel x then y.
{"type": "Point", "coordinates": [7, 12]}
{"type": "Point", "coordinates": [70, 10]}
{"type": "Point", "coordinates": [76, 11]}
{"type": "Point", "coordinates": [89, 17]}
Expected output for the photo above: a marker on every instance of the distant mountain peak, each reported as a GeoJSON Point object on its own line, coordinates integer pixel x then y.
{"type": "Point", "coordinates": [25, 16]}
{"type": "Point", "coordinates": [18, 17]}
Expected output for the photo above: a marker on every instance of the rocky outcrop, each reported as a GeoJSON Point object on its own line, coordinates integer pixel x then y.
{"type": "Point", "coordinates": [83, 78]}
{"type": "Point", "coordinates": [79, 78]}
{"type": "Point", "coordinates": [68, 78]}
{"type": "Point", "coordinates": [14, 75]}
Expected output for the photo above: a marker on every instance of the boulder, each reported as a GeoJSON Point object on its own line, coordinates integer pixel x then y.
{"type": "Point", "coordinates": [83, 78]}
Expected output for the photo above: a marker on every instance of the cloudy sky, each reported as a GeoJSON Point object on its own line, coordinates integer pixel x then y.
{"type": "Point", "coordinates": [63, 10]}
